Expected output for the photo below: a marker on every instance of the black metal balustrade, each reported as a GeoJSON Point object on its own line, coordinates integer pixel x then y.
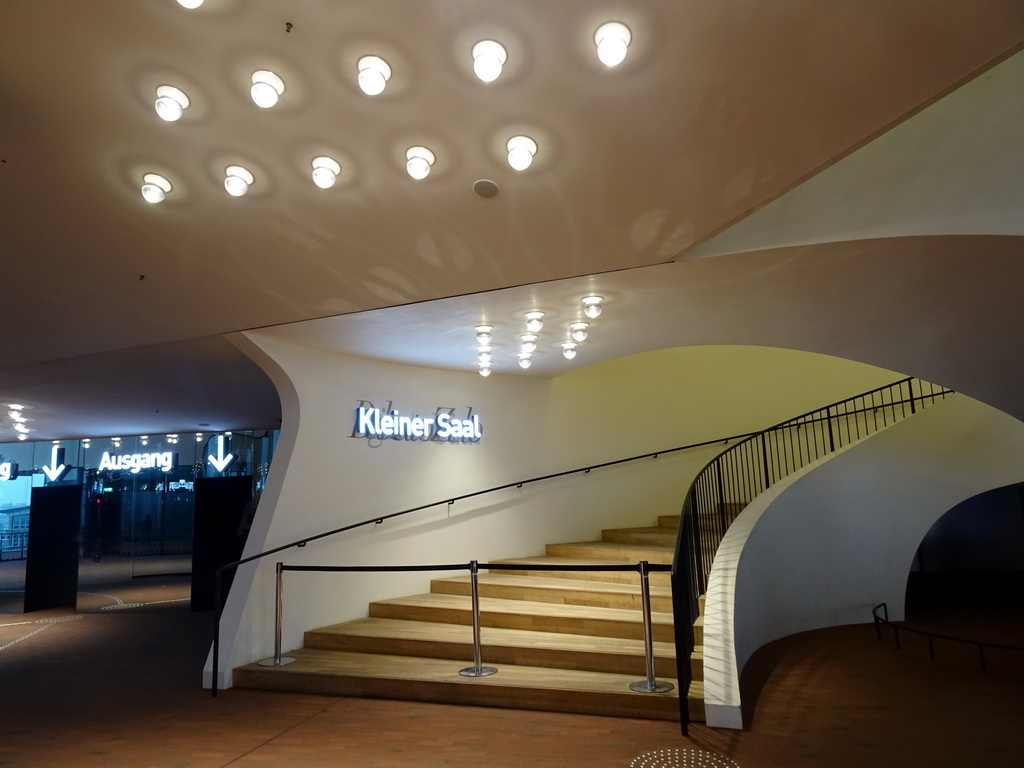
{"type": "Point", "coordinates": [933, 636]}
{"type": "Point", "coordinates": [735, 477]}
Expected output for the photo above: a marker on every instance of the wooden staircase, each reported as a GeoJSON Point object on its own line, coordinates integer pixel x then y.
{"type": "Point", "coordinates": [562, 641]}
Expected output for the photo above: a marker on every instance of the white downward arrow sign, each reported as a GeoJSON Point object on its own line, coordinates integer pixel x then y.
{"type": "Point", "coordinates": [59, 469]}
{"type": "Point", "coordinates": [221, 460]}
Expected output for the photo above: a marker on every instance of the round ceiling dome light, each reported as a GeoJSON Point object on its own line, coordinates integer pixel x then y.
{"type": "Point", "coordinates": [325, 171]}
{"type": "Point", "coordinates": [568, 349]}
{"type": "Point", "coordinates": [485, 369]}
{"type": "Point", "coordinates": [484, 334]}
{"type": "Point", "coordinates": [521, 150]}
{"type": "Point", "coordinates": [155, 187]}
{"type": "Point", "coordinates": [534, 321]}
{"type": "Point", "coordinates": [170, 103]}
{"type": "Point", "coordinates": [373, 76]}
{"type": "Point", "coordinates": [190, 4]}
{"type": "Point", "coordinates": [418, 162]}
{"type": "Point", "coordinates": [488, 59]}
{"type": "Point", "coordinates": [525, 361]}
{"type": "Point", "coordinates": [612, 40]}
{"type": "Point", "coordinates": [578, 331]}
{"type": "Point", "coordinates": [266, 88]}
{"type": "Point", "coordinates": [529, 342]}
{"type": "Point", "coordinates": [592, 306]}
{"type": "Point", "coordinates": [237, 180]}
{"type": "Point", "coordinates": [484, 353]}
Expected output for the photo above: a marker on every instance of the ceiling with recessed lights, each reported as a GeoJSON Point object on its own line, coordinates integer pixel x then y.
{"type": "Point", "coordinates": [333, 158]}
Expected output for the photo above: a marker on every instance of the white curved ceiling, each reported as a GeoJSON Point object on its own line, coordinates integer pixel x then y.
{"type": "Point", "coordinates": [718, 109]}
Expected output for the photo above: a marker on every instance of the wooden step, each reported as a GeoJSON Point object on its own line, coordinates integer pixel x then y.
{"type": "Point", "coordinates": [519, 614]}
{"type": "Point", "coordinates": [698, 630]}
{"type": "Point", "coordinates": [695, 702]}
{"type": "Point", "coordinates": [697, 663]}
{"type": "Point", "coordinates": [547, 590]}
{"type": "Point", "coordinates": [669, 521]}
{"type": "Point", "coordinates": [614, 577]}
{"type": "Point", "coordinates": [661, 537]}
{"type": "Point", "coordinates": [611, 550]}
{"type": "Point", "coordinates": [398, 637]}
{"type": "Point", "coordinates": [384, 676]}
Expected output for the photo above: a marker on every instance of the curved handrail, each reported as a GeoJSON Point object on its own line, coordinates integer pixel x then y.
{"type": "Point", "coordinates": [724, 486]}
{"type": "Point", "coordinates": [218, 576]}
{"type": "Point", "coordinates": [879, 620]}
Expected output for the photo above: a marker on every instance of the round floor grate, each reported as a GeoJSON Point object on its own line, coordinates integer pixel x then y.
{"type": "Point", "coordinates": [682, 758]}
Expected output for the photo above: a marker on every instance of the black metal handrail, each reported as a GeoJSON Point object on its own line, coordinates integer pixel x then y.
{"type": "Point", "coordinates": [735, 477]}
{"type": "Point", "coordinates": [932, 636]}
{"type": "Point", "coordinates": [219, 575]}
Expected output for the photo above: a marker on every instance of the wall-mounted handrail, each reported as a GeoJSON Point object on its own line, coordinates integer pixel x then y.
{"type": "Point", "coordinates": [735, 477]}
{"type": "Point", "coordinates": [219, 574]}
{"type": "Point", "coordinates": [932, 636]}
{"type": "Point", "coordinates": [644, 568]}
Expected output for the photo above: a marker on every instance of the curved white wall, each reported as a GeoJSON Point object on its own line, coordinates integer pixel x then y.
{"type": "Point", "coordinates": [323, 479]}
{"type": "Point", "coordinates": [826, 545]}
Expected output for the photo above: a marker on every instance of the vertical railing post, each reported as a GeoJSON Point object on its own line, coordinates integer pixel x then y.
{"type": "Point", "coordinates": [278, 660]}
{"type": "Point", "coordinates": [477, 670]}
{"type": "Point", "coordinates": [764, 460]}
{"type": "Point", "coordinates": [910, 389]}
{"type": "Point", "coordinates": [650, 685]}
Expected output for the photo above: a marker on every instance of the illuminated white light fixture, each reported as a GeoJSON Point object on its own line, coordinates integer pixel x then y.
{"type": "Point", "coordinates": [325, 171]}
{"type": "Point", "coordinates": [16, 406]}
{"type": "Point", "coordinates": [170, 103]}
{"type": "Point", "coordinates": [172, 439]}
{"type": "Point", "coordinates": [484, 334]}
{"type": "Point", "coordinates": [534, 321]}
{"type": "Point", "coordinates": [612, 40]}
{"type": "Point", "coordinates": [488, 59]}
{"type": "Point", "coordinates": [116, 441]}
{"type": "Point", "coordinates": [144, 439]}
{"type": "Point", "coordinates": [266, 88]}
{"type": "Point", "coordinates": [592, 306]}
{"type": "Point", "coordinates": [154, 187]}
{"type": "Point", "coordinates": [19, 427]}
{"type": "Point", "coordinates": [521, 150]}
{"type": "Point", "coordinates": [237, 180]}
{"type": "Point", "coordinates": [568, 349]}
{"type": "Point", "coordinates": [199, 437]}
{"type": "Point", "coordinates": [485, 369]}
{"type": "Point", "coordinates": [23, 437]}
{"type": "Point", "coordinates": [524, 361]}
{"type": "Point", "coordinates": [16, 415]}
{"type": "Point", "coordinates": [190, 4]}
{"type": "Point", "coordinates": [484, 353]}
{"type": "Point", "coordinates": [373, 76]}
{"type": "Point", "coordinates": [578, 331]}
{"type": "Point", "coordinates": [529, 342]}
{"type": "Point", "coordinates": [418, 162]}
{"type": "Point", "coordinates": [86, 442]}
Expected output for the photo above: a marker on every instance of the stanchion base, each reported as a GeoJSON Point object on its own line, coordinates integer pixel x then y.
{"type": "Point", "coordinates": [650, 686]}
{"type": "Point", "coordinates": [478, 671]}
{"type": "Point", "coordinates": [275, 663]}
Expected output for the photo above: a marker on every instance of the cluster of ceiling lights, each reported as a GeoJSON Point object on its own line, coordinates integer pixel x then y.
{"type": "Point", "coordinates": [577, 332]}
{"type": "Point", "coordinates": [15, 412]}
{"type": "Point", "coordinates": [612, 40]}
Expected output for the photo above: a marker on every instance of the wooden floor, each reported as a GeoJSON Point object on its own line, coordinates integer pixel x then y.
{"type": "Point", "coordinates": [121, 688]}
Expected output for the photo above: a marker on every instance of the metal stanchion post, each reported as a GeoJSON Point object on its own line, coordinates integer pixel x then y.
{"type": "Point", "coordinates": [650, 685]}
{"type": "Point", "coordinates": [474, 591]}
{"type": "Point", "coordinates": [278, 660]}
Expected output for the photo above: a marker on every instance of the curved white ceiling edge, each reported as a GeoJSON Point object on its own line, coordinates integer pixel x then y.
{"type": "Point", "coordinates": [957, 167]}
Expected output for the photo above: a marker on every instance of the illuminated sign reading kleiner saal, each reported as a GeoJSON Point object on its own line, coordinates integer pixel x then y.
{"type": "Point", "coordinates": [443, 426]}
{"type": "Point", "coordinates": [136, 462]}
